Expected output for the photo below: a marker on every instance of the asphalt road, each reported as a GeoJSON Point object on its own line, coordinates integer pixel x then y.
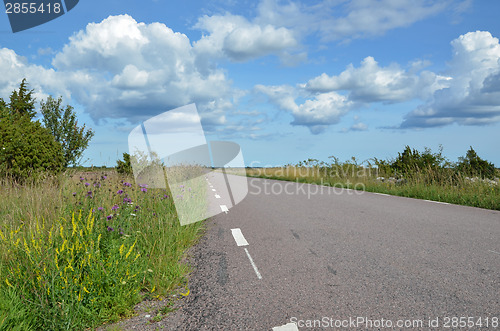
{"type": "Point", "coordinates": [333, 259]}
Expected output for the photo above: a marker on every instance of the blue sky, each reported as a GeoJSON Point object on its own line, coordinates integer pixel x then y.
{"type": "Point", "coordinates": [287, 80]}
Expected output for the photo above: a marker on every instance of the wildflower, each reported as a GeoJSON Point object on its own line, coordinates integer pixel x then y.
{"type": "Point", "coordinates": [97, 184]}
{"type": "Point", "coordinates": [127, 200]}
{"type": "Point", "coordinates": [104, 177]}
{"type": "Point", "coordinates": [109, 217]}
{"type": "Point", "coordinates": [100, 208]}
{"type": "Point", "coordinates": [110, 229]}
{"type": "Point", "coordinates": [127, 184]}
{"type": "Point", "coordinates": [89, 194]}
{"type": "Point", "coordinates": [143, 185]}
{"type": "Point", "coordinates": [115, 207]}
{"type": "Point", "coordinates": [144, 189]}
{"type": "Point", "coordinates": [165, 196]}
{"type": "Point", "coordinates": [87, 184]}
{"type": "Point", "coordinates": [119, 192]}
{"type": "Point", "coordinates": [154, 214]}
{"type": "Point", "coordinates": [81, 178]}
{"type": "Point", "coordinates": [74, 193]}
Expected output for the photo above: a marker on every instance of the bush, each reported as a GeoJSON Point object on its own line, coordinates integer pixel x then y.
{"type": "Point", "coordinates": [124, 167]}
{"type": "Point", "coordinates": [27, 150]}
{"type": "Point", "coordinates": [472, 165]}
{"type": "Point", "coordinates": [413, 161]}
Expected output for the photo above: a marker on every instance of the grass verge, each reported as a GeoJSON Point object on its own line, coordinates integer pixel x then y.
{"type": "Point", "coordinates": [440, 186]}
{"type": "Point", "coordinates": [82, 249]}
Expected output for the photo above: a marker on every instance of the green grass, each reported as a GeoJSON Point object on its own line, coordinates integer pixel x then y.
{"type": "Point", "coordinates": [443, 185]}
{"type": "Point", "coordinates": [82, 249]}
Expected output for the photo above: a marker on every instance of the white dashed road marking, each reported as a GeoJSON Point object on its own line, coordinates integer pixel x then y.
{"type": "Point", "coordinates": [217, 196]}
{"type": "Point", "coordinates": [224, 208]}
{"type": "Point", "coordinates": [494, 252]}
{"type": "Point", "coordinates": [253, 265]}
{"type": "Point", "coordinates": [238, 237]}
{"type": "Point", "coordinates": [286, 327]}
{"type": "Point", "coordinates": [213, 190]}
{"type": "Point", "coordinates": [241, 241]}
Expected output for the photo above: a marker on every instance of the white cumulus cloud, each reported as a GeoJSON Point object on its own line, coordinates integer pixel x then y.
{"type": "Point", "coordinates": [372, 83]}
{"type": "Point", "coordinates": [121, 68]}
{"type": "Point", "coordinates": [317, 112]}
{"type": "Point", "coordinates": [473, 94]}
{"type": "Point", "coordinates": [238, 39]}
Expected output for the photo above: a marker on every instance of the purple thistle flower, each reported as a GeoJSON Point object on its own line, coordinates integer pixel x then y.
{"type": "Point", "coordinates": [144, 189]}
{"type": "Point", "coordinates": [81, 178]}
{"type": "Point", "coordinates": [115, 207]}
{"type": "Point", "coordinates": [97, 184]}
{"type": "Point", "coordinates": [119, 191]}
{"type": "Point", "coordinates": [109, 217]}
{"type": "Point", "coordinates": [87, 184]}
{"type": "Point", "coordinates": [165, 196]}
{"type": "Point", "coordinates": [74, 193]}
{"type": "Point", "coordinates": [104, 177]}
{"type": "Point", "coordinates": [89, 194]}
{"type": "Point", "coordinates": [100, 208]}
{"type": "Point", "coordinates": [127, 200]}
{"type": "Point", "coordinates": [110, 229]}
{"type": "Point", "coordinates": [127, 184]}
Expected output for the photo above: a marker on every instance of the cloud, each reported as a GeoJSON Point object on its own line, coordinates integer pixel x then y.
{"type": "Point", "coordinates": [372, 83]}
{"type": "Point", "coordinates": [120, 68]}
{"type": "Point", "coordinates": [346, 20]}
{"type": "Point", "coordinates": [317, 112]}
{"type": "Point", "coordinates": [473, 94]}
{"type": "Point", "coordinates": [238, 39]}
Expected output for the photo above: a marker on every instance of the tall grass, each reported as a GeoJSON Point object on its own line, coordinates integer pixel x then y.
{"type": "Point", "coordinates": [444, 185]}
{"type": "Point", "coordinates": [80, 250]}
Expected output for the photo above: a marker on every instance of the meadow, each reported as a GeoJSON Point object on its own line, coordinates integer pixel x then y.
{"type": "Point", "coordinates": [437, 184]}
{"type": "Point", "coordinates": [80, 249]}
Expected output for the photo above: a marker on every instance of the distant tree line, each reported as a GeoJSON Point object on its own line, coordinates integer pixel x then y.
{"type": "Point", "coordinates": [30, 149]}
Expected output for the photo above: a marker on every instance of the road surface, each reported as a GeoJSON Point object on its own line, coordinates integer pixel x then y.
{"type": "Point", "coordinates": [318, 258]}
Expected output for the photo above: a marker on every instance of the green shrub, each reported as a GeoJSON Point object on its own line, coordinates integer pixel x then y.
{"type": "Point", "coordinates": [124, 167]}
{"type": "Point", "coordinates": [472, 165]}
{"type": "Point", "coordinates": [413, 161]}
{"type": "Point", "coordinates": [27, 150]}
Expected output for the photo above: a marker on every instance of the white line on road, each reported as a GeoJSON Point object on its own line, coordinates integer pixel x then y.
{"type": "Point", "coordinates": [286, 327]}
{"type": "Point", "coordinates": [213, 190]}
{"type": "Point", "coordinates": [224, 208]}
{"type": "Point", "coordinates": [388, 195]}
{"type": "Point", "coordinates": [443, 203]}
{"type": "Point", "coordinates": [253, 264]}
{"type": "Point", "coordinates": [217, 196]}
{"type": "Point", "coordinates": [494, 252]}
{"type": "Point", "coordinates": [238, 237]}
